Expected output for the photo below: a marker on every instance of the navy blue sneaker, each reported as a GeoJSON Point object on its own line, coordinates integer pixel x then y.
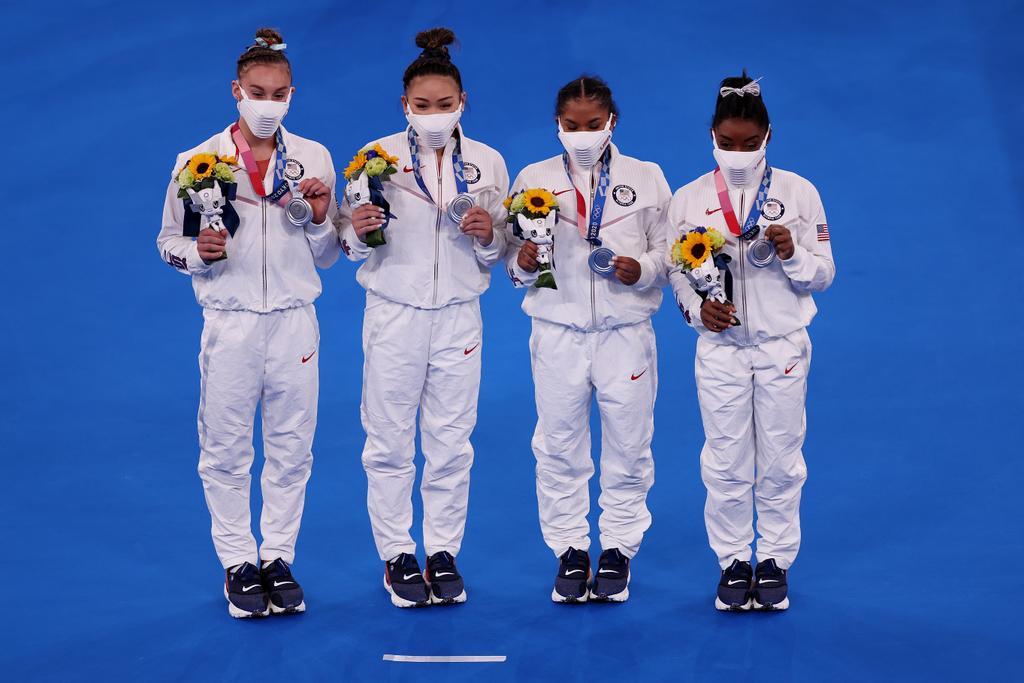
{"type": "Point", "coordinates": [284, 591]}
{"type": "Point", "coordinates": [404, 582]}
{"type": "Point", "coordinates": [446, 587]}
{"type": "Point", "coordinates": [734, 588]}
{"type": "Point", "coordinates": [244, 592]}
{"type": "Point", "coordinates": [771, 592]}
{"type": "Point", "coordinates": [573, 577]}
{"type": "Point", "coordinates": [611, 583]}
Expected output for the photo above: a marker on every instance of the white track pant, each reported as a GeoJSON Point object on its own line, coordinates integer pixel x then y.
{"type": "Point", "coordinates": [752, 403]}
{"type": "Point", "coordinates": [570, 367]}
{"type": "Point", "coordinates": [427, 360]}
{"type": "Point", "coordinates": [249, 358]}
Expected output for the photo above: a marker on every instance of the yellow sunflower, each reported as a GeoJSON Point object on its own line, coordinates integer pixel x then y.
{"type": "Point", "coordinates": [695, 249]}
{"type": "Point", "coordinates": [539, 201]}
{"type": "Point", "coordinates": [507, 203]}
{"type": "Point", "coordinates": [201, 165]}
{"type": "Point", "coordinates": [384, 155]}
{"type": "Point", "coordinates": [230, 161]}
{"type": "Point", "coordinates": [355, 165]}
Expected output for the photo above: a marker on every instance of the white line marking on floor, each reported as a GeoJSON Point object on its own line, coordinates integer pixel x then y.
{"type": "Point", "coordinates": [460, 659]}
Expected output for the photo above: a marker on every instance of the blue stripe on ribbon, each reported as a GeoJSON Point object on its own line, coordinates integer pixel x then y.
{"type": "Point", "coordinates": [597, 210]}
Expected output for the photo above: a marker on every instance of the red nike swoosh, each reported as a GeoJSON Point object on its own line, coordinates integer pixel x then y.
{"type": "Point", "coordinates": [309, 356]}
{"type": "Point", "coordinates": [407, 169]}
{"type": "Point", "coordinates": [790, 368]}
{"type": "Point", "coordinates": [470, 349]}
{"type": "Point", "coordinates": [711, 211]}
{"type": "Point", "coordinates": [636, 377]}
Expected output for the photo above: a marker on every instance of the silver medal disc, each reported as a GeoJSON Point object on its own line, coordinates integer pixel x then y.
{"type": "Point", "coordinates": [300, 213]}
{"type": "Point", "coordinates": [601, 261]}
{"type": "Point", "coordinates": [459, 206]}
{"type": "Point", "coordinates": [761, 253]}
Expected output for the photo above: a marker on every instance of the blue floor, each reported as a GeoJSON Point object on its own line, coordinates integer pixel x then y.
{"type": "Point", "coordinates": [907, 118]}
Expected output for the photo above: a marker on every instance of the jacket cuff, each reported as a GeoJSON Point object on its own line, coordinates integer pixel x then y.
{"type": "Point", "coordinates": [196, 265]}
{"type": "Point", "coordinates": [795, 264]}
{"type": "Point", "coordinates": [648, 273]}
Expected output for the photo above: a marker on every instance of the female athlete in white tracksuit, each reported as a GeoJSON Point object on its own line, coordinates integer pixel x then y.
{"type": "Point", "coordinates": [422, 331]}
{"type": "Point", "coordinates": [752, 378]}
{"type": "Point", "coordinates": [260, 332]}
{"type": "Point", "coordinates": [592, 336]}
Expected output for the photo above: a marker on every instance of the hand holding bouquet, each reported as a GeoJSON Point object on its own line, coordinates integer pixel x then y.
{"type": "Point", "coordinates": [698, 254]}
{"type": "Point", "coordinates": [207, 185]}
{"type": "Point", "coordinates": [366, 174]}
{"type": "Point", "coordinates": [533, 214]}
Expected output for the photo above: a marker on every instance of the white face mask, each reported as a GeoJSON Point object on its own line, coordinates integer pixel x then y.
{"type": "Point", "coordinates": [434, 130]}
{"type": "Point", "coordinates": [262, 116]}
{"type": "Point", "coordinates": [738, 167]}
{"type": "Point", "coordinates": [585, 147]}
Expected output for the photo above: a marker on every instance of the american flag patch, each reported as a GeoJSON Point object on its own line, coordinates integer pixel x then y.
{"type": "Point", "coordinates": [823, 232]}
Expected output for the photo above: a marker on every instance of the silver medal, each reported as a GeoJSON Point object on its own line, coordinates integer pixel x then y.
{"type": "Point", "coordinates": [459, 206]}
{"type": "Point", "coordinates": [601, 261]}
{"type": "Point", "coordinates": [761, 253]}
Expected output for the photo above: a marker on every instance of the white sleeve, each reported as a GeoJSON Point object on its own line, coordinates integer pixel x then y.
{"type": "Point", "coordinates": [355, 249]}
{"type": "Point", "coordinates": [653, 261]}
{"type": "Point", "coordinates": [491, 201]}
{"type": "Point", "coordinates": [811, 268]}
{"type": "Point", "coordinates": [323, 238]}
{"type": "Point", "coordinates": [687, 298]}
{"type": "Point", "coordinates": [518, 276]}
{"type": "Point", "coordinates": [176, 250]}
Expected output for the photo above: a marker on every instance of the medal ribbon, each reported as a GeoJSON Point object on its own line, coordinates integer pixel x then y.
{"type": "Point", "coordinates": [461, 186]}
{"type": "Point", "coordinates": [750, 225]}
{"type": "Point", "coordinates": [590, 230]}
{"type": "Point", "coordinates": [282, 191]}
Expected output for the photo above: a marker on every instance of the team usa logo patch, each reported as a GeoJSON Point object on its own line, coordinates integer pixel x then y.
{"type": "Point", "coordinates": [472, 173]}
{"type": "Point", "coordinates": [293, 170]}
{"type": "Point", "coordinates": [823, 232]}
{"type": "Point", "coordinates": [624, 195]}
{"type": "Point", "coordinates": [773, 209]}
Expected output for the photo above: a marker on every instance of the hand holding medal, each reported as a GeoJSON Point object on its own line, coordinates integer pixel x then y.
{"type": "Point", "coordinates": [782, 239]}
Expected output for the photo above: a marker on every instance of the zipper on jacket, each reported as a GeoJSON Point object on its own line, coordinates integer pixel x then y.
{"type": "Point", "coordinates": [743, 277]}
{"type": "Point", "coordinates": [437, 228]}
{"type": "Point", "coordinates": [264, 206]}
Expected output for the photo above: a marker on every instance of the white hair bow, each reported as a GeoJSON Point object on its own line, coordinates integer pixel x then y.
{"type": "Point", "coordinates": [262, 42]}
{"type": "Point", "coordinates": [751, 88]}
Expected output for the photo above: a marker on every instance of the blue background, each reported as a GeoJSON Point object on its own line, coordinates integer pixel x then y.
{"type": "Point", "coordinates": [906, 116]}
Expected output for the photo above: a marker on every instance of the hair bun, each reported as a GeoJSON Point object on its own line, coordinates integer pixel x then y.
{"type": "Point", "coordinates": [270, 35]}
{"type": "Point", "coordinates": [435, 40]}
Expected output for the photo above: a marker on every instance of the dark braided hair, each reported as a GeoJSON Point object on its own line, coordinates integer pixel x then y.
{"type": "Point", "coordinates": [434, 60]}
{"type": "Point", "coordinates": [260, 54]}
{"type": "Point", "coordinates": [586, 88]}
{"type": "Point", "coordinates": [749, 107]}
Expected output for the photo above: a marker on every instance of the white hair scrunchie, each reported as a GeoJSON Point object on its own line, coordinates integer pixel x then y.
{"type": "Point", "coordinates": [751, 88]}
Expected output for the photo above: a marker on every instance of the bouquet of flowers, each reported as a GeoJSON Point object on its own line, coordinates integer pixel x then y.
{"type": "Point", "coordinates": [533, 214]}
{"type": "Point", "coordinates": [207, 185]}
{"type": "Point", "coordinates": [698, 254]}
{"type": "Point", "coordinates": [366, 174]}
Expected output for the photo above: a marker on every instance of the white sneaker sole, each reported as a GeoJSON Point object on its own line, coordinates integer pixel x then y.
{"type": "Point", "coordinates": [274, 609]}
{"type": "Point", "coordinates": [558, 597]}
{"type": "Point", "coordinates": [460, 598]}
{"type": "Point", "coordinates": [618, 597]}
{"type": "Point", "coordinates": [722, 607]}
{"type": "Point", "coordinates": [239, 613]}
{"type": "Point", "coordinates": [402, 602]}
{"type": "Point", "coordinates": [784, 605]}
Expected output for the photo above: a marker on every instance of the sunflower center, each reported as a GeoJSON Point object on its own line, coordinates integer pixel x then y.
{"type": "Point", "coordinates": [202, 168]}
{"type": "Point", "coordinates": [698, 250]}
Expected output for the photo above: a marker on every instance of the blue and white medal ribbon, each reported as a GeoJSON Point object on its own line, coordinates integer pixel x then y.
{"type": "Point", "coordinates": [591, 229]}
{"type": "Point", "coordinates": [463, 201]}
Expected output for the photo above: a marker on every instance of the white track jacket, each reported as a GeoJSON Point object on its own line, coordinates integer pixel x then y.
{"type": "Point", "coordinates": [427, 261]}
{"type": "Point", "coordinates": [271, 264]}
{"type": "Point", "coordinates": [773, 301]}
{"type": "Point", "coordinates": [633, 224]}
